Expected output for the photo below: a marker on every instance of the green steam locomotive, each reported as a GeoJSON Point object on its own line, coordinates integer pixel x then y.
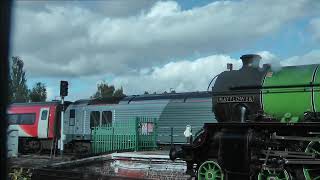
{"type": "Point", "coordinates": [268, 125]}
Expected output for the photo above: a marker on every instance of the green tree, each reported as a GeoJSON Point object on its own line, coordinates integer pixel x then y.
{"type": "Point", "coordinates": [118, 92]}
{"type": "Point", "coordinates": [146, 92]}
{"type": "Point", "coordinates": [105, 90]}
{"type": "Point", "coordinates": [18, 82]}
{"type": "Point", "coordinates": [38, 93]}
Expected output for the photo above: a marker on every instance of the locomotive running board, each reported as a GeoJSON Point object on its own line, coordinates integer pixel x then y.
{"type": "Point", "coordinates": [299, 161]}
{"type": "Point", "coordinates": [263, 124]}
{"type": "Point", "coordinates": [303, 161]}
{"type": "Point", "coordinates": [306, 128]}
{"type": "Point", "coordinates": [294, 138]}
{"type": "Point", "coordinates": [314, 133]}
{"type": "Point", "coordinates": [289, 154]}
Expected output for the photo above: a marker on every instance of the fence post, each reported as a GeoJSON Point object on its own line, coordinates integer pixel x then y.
{"type": "Point", "coordinates": [136, 148]}
{"type": "Point", "coordinates": [155, 132]}
{"type": "Point", "coordinates": [171, 136]}
{"type": "Point", "coordinates": [93, 140]}
{"type": "Point", "coordinates": [112, 139]}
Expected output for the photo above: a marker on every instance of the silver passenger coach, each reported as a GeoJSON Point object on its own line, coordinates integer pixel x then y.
{"type": "Point", "coordinates": [174, 111]}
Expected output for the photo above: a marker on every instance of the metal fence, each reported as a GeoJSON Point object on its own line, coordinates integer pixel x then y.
{"type": "Point", "coordinates": [136, 134]}
{"type": "Point", "coordinates": [169, 134]}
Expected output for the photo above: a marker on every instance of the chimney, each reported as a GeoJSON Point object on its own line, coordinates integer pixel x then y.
{"type": "Point", "coordinates": [250, 60]}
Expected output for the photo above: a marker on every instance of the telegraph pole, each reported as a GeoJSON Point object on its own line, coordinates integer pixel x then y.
{"type": "Point", "coordinates": [63, 93]}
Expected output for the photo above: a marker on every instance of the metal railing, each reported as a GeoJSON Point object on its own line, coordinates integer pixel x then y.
{"type": "Point", "coordinates": [136, 134]}
{"type": "Point", "coordinates": [174, 135]}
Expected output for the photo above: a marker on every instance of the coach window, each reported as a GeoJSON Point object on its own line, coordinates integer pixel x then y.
{"type": "Point", "coordinates": [13, 119]}
{"type": "Point", "coordinates": [27, 118]}
{"type": "Point", "coordinates": [44, 115]}
{"type": "Point", "coordinates": [94, 119]}
{"type": "Point", "coordinates": [72, 117]}
{"type": "Point", "coordinates": [106, 118]}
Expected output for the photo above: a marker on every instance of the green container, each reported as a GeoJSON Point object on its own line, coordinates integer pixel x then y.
{"type": "Point", "coordinates": [289, 104]}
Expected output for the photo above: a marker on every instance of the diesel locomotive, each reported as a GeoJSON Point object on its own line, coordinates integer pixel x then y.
{"type": "Point", "coordinates": [268, 125]}
{"type": "Point", "coordinates": [38, 124]}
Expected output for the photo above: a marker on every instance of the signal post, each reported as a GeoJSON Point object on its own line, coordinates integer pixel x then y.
{"type": "Point", "coordinates": [63, 93]}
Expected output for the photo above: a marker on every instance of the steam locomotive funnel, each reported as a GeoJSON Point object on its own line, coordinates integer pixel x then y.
{"type": "Point", "coordinates": [250, 60]}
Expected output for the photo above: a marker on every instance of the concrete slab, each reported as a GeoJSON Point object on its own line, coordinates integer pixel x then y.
{"type": "Point", "coordinates": [35, 161]}
{"type": "Point", "coordinates": [141, 165]}
{"type": "Point", "coordinates": [148, 164]}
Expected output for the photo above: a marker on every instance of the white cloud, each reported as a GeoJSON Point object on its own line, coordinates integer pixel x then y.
{"type": "Point", "coordinates": [79, 41]}
{"type": "Point", "coordinates": [181, 76]}
{"type": "Point", "coordinates": [312, 57]}
{"type": "Point", "coordinates": [50, 93]}
{"type": "Point", "coordinates": [315, 28]}
{"type": "Point", "coordinates": [196, 75]}
{"type": "Point", "coordinates": [184, 75]}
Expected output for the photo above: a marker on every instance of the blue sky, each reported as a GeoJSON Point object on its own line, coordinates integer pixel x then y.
{"type": "Point", "coordinates": [157, 45]}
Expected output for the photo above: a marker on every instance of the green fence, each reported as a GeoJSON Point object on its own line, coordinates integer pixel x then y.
{"type": "Point", "coordinates": [136, 134]}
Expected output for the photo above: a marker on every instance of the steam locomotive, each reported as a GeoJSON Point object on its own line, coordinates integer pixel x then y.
{"type": "Point", "coordinates": [268, 125]}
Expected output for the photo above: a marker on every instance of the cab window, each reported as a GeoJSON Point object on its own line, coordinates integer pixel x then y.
{"type": "Point", "coordinates": [44, 115]}
{"type": "Point", "coordinates": [22, 119]}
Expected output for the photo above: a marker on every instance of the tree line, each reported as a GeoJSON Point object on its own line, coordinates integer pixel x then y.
{"type": "Point", "coordinates": [104, 90]}
{"type": "Point", "coordinates": [18, 89]}
{"type": "Point", "coordinates": [19, 92]}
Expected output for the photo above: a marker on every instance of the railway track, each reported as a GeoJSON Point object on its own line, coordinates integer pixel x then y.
{"type": "Point", "coordinates": [53, 174]}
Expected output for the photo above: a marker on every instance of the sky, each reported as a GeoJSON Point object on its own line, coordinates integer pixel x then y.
{"type": "Point", "coordinates": [156, 46]}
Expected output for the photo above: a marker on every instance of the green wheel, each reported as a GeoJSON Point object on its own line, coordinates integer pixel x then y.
{"type": "Point", "coordinates": [274, 175]}
{"type": "Point", "coordinates": [312, 172]}
{"type": "Point", "coordinates": [210, 170]}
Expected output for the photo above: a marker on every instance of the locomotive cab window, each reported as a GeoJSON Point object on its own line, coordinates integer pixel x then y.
{"type": "Point", "coordinates": [44, 115]}
{"type": "Point", "coordinates": [72, 117]}
{"type": "Point", "coordinates": [27, 118]}
{"type": "Point", "coordinates": [106, 118]}
{"type": "Point", "coordinates": [22, 119]}
{"type": "Point", "coordinates": [94, 119]}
